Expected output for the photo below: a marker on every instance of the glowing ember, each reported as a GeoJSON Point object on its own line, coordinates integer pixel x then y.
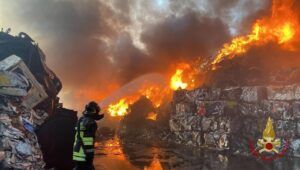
{"type": "Point", "coordinates": [152, 116]}
{"type": "Point", "coordinates": [280, 27]}
{"type": "Point", "coordinates": [176, 80]}
{"type": "Point", "coordinates": [118, 109]}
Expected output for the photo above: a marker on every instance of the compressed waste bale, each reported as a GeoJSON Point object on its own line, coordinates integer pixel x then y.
{"type": "Point", "coordinates": [181, 96]}
{"type": "Point", "coordinates": [185, 123]}
{"type": "Point", "coordinates": [216, 130]}
{"type": "Point", "coordinates": [192, 138]}
{"type": "Point", "coordinates": [281, 92]}
{"type": "Point", "coordinates": [205, 94]}
{"type": "Point", "coordinates": [244, 129]}
{"type": "Point", "coordinates": [285, 129]}
{"type": "Point", "coordinates": [297, 92]}
{"type": "Point", "coordinates": [187, 109]}
{"type": "Point", "coordinates": [231, 93]}
{"type": "Point", "coordinates": [212, 108]}
{"type": "Point", "coordinates": [278, 110]}
{"type": "Point", "coordinates": [253, 94]}
{"type": "Point", "coordinates": [295, 148]}
{"type": "Point", "coordinates": [216, 140]}
{"type": "Point", "coordinates": [297, 130]}
{"type": "Point", "coordinates": [197, 138]}
{"type": "Point", "coordinates": [175, 125]}
{"type": "Point", "coordinates": [251, 109]}
{"type": "Point", "coordinates": [296, 109]}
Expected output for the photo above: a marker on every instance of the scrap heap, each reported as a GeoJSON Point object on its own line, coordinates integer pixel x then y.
{"type": "Point", "coordinates": [19, 93]}
{"type": "Point", "coordinates": [28, 102]}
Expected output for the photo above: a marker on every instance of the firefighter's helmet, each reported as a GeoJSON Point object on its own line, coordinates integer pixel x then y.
{"type": "Point", "coordinates": [92, 108]}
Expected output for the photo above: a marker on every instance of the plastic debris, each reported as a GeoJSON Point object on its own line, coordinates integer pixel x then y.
{"type": "Point", "coordinates": [23, 149]}
{"type": "Point", "coordinates": [27, 125]}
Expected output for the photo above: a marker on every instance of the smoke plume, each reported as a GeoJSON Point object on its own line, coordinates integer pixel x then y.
{"type": "Point", "coordinates": [96, 46]}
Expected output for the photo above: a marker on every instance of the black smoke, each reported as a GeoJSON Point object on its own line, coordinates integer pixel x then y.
{"type": "Point", "coordinates": [88, 45]}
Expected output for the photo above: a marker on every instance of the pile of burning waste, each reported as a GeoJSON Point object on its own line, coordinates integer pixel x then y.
{"type": "Point", "coordinates": [144, 123]}
{"type": "Point", "coordinates": [250, 87]}
{"type": "Point", "coordinates": [251, 79]}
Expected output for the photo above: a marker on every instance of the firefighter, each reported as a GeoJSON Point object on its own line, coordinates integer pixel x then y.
{"type": "Point", "coordinates": [83, 150]}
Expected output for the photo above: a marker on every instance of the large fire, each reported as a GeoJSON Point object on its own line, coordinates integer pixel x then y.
{"type": "Point", "coordinates": [280, 27]}
{"type": "Point", "coordinates": [153, 93]}
{"type": "Point", "coordinates": [182, 78]}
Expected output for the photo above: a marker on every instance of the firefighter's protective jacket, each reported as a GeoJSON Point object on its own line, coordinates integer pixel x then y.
{"type": "Point", "coordinates": [84, 139]}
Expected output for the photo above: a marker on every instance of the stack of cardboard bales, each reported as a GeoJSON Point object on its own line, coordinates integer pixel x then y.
{"type": "Point", "coordinates": [231, 118]}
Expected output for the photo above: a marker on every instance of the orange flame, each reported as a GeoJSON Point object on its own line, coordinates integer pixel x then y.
{"type": "Point", "coordinates": [280, 27]}
{"type": "Point", "coordinates": [176, 80]}
{"type": "Point", "coordinates": [118, 109]}
{"type": "Point", "coordinates": [153, 93]}
{"type": "Point", "coordinates": [184, 77]}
